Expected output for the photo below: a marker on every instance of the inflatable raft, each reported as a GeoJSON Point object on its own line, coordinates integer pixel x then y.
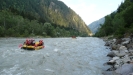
{"type": "Point", "coordinates": [29, 44]}
{"type": "Point", "coordinates": [31, 47]}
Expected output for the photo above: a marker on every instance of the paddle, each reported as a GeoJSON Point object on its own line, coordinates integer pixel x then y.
{"type": "Point", "coordinates": [43, 46]}
{"type": "Point", "coordinates": [20, 45]}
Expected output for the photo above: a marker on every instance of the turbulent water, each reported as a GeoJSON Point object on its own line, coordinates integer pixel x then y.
{"type": "Point", "coordinates": [61, 56]}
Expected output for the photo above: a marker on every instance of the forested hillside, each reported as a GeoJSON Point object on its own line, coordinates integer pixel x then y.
{"type": "Point", "coordinates": [22, 18]}
{"type": "Point", "coordinates": [119, 22]}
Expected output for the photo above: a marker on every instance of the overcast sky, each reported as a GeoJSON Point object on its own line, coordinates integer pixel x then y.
{"type": "Point", "coordinates": [92, 10]}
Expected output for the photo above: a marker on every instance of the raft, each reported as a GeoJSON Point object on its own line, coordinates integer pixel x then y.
{"type": "Point", "coordinates": [26, 47]}
{"type": "Point", "coordinates": [74, 37]}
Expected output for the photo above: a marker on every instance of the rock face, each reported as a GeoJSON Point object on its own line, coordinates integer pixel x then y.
{"type": "Point", "coordinates": [121, 56]}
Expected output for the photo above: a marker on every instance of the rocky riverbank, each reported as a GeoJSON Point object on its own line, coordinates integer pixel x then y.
{"type": "Point", "coordinates": [121, 56]}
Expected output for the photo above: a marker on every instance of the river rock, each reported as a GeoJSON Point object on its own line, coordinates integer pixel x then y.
{"type": "Point", "coordinates": [112, 61]}
{"type": "Point", "coordinates": [118, 63]}
{"type": "Point", "coordinates": [110, 73]}
{"type": "Point", "coordinates": [107, 43]}
{"type": "Point", "coordinates": [114, 47]}
{"type": "Point", "coordinates": [118, 41]}
{"type": "Point", "coordinates": [111, 54]}
{"type": "Point", "coordinates": [126, 41]}
{"type": "Point", "coordinates": [120, 54]}
{"type": "Point", "coordinates": [130, 53]}
{"type": "Point", "coordinates": [114, 40]}
{"type": "Point", "coordinates": [125, 59]}
{"type": "Point", "coordinates": [130, 46]}
{"type": "Point", "coordinates": [125, 69]}
{"type": "Point", "coordinates": [122, 48]}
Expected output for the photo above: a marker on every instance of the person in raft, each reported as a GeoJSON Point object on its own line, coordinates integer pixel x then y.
{"type": "Point", "coordinates": [40, 43]}
{"type": "Point", "coordinates": [29, 42]}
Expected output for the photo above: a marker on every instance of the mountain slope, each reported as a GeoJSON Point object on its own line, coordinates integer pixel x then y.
{"type": "Point", "coordinates": [53, 11]}
{"type": "Point", "coordinates": [95, 25]}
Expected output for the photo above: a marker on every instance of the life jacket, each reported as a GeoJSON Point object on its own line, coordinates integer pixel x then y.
{"type": "Point", "coordinates": [40, 43]}
{"type": "Point", "coordinates": [27, 42]}
{"type": "Point", "coordinates": [36, 43]}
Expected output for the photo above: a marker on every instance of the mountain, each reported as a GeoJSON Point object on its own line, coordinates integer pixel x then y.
{"type": "Point", "coordinates": [94, 26]}
{"type": "Point", "coordinates": [52, 11]}
{"type": "Point", "coordinates": [118, 23]}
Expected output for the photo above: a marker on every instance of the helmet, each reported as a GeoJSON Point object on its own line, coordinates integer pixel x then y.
{"type": "Point", "coordinates": [26, 40]}
{"type": "Point", "coordinates": [40, 40]}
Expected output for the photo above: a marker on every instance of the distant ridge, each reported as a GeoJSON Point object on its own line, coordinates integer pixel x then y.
{"type": "Point", "coordinates": [95, 25]}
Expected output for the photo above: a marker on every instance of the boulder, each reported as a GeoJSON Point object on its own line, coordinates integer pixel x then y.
{"type": "Point", "coordinates": [125, 69]}
{"type": "Point", "coordinates": [125, 59]}
{"type": "Point", "coordinates": [130, 46]}
{"type": "Point", "coordinates": [122, 48]}
{"type": "Point", "coordinates": [112, 61]}
{"type": "Point", "coordinates": [125, 41]}
{"type": "Point", "coordinates": [120, 54]}
{"type": "Point", "coordinates": [114, 40]}
{"type": "Point", "coordinates": [107, 44]}
{"type": "Point", "coordinates": [111, 54]}
{"type": "Point", "coordinates": [118, 41]}
{"type": "Point", "coordinates": [118, 63]}
{"type": "Point", "coordinates": [131, 37]}
{"type": "Point", "coordinates": [110, 73]}
{"type": "Point", "coordinates": [114, 47]}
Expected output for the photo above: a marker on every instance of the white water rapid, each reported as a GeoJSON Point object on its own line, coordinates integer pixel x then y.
{"type": "Point", "coordinates": [61, 56]}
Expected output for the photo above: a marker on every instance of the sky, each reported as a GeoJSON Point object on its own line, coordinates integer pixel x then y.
{"type": "Point", "coordinates": [92, 10]}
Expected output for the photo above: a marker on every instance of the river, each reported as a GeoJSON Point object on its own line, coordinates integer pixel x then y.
{"type": "Point", "coordinates": [61, 56]}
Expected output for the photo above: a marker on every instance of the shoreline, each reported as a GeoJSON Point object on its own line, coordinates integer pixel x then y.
{"type": "Point", "coordinates": [120, 56]}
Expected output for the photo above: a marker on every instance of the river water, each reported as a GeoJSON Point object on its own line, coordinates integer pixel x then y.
{"type": "Point", "coordinates": [61, 56]}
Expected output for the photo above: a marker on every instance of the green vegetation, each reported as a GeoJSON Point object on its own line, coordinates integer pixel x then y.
{"type": "Point", "coordinates": [17, 26]}
{"type": "Point", "coordinates": [119, 22]}
{"type": "Point", "coordinates": [23, 18]}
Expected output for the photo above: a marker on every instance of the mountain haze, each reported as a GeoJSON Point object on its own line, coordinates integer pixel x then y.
{"type": "Point", "coordinates": [94, 26]}
{"type": "Point", "coordinates": [52, 11]}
